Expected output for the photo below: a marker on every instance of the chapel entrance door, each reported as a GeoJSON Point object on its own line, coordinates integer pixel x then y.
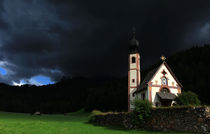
{"type": "Point", "coordinates": [165, 103]}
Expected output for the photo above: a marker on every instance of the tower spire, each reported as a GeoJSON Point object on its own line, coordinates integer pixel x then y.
{"type": "Point", "coordinates": [134, 31]}
{"type": "Point", "coordinates": [133, 44]}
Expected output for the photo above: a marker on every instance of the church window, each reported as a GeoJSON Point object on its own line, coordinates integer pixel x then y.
{"type": "Point", "coordinates": [164, 81]}
{"type": "Point", "coordinates": [133, 60]}
{"type": "Point", "coordinates": [133, 80]}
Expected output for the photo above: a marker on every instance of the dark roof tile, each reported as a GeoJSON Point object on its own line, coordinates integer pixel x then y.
{"type": "Point", "coordinates": [148, 77]}
{"type": "Point", "coordinates": [166, 96]}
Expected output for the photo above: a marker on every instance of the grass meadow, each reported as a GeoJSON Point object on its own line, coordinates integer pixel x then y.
{"type": "Point", "coordinates": [74, 123]}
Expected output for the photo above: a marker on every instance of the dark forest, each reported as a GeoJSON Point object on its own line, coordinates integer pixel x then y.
{"type": "Point", "coordinates": [71, 94]}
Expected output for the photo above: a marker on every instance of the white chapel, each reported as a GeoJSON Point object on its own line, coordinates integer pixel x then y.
{"type": "Point", "coordinates": [160, 86]}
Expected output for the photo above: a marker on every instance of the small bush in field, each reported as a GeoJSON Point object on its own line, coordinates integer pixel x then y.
{"type": "Point", "coordinates": [141, 112]}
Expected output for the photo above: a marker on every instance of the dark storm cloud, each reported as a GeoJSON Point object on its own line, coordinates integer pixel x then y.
{"type": "Point", "coordinates": [90, 38]}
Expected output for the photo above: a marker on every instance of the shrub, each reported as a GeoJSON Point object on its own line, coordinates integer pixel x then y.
{"type": "Point", "coordinates": [141, 112]}
{"type": "Point", "coordinates": [96, 112]}
{"type": "Point", "coordinates": [187, 98]}
{"type": "Point", "coordinates": [93, 114]}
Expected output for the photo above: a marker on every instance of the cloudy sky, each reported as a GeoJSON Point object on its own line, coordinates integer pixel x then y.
{"type": "Point", "coordinates": [43, 40]}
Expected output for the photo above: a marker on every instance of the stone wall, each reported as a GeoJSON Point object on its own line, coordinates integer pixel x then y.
{"type": "Point", "coordinates": [113, 119]}
{"type": "Point", "coordinates": [185, 119]}
{"type": "Point", "coordinates": [191, 119]}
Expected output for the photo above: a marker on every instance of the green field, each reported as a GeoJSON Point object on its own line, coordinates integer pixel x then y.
{"type": "Point", "coordinates": [74, 123]}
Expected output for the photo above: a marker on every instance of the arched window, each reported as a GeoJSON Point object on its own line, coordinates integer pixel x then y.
{"type": "Point", "coordinates": [164, 90]}
{"type": "Point", "coordinates": [164, 81]}
{"type": "Point", "coordinates": [133, 59]}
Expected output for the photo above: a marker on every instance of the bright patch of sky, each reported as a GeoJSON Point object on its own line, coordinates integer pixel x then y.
{"type": "Point", "coordinates": [22, 82]}
{"type": "Point", "coordinates": [3, 71]}
{"type": "Point", "coordinates": [38, 80]}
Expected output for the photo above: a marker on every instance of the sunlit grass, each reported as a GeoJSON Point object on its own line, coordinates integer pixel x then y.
{"type": "Point", "coordinates": [74, 123]}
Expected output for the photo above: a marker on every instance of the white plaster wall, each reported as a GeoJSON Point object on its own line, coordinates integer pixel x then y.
{"type": "Point", "coordinates": [156, 80]}
{"type": "Point", "coordinates": [174, 91]}
{"type": "Point", "coordinates": [154, 96]}
{"type": "Point", "coordinates": [134, 72]}
{"type": "Point", "coordinates": [133, 76]}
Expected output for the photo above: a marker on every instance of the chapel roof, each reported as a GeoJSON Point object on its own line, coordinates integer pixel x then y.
{"type": "Point", "coordinates": [148, 77]}
{"type": "Point", "coordinates": [166, 96]}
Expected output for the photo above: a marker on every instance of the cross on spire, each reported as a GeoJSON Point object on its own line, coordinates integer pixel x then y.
{"type": "Point", "coordinates": [163, 58]}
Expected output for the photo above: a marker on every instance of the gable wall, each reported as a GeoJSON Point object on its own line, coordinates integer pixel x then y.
{"type": "Point", "coordinates": [158, 76]}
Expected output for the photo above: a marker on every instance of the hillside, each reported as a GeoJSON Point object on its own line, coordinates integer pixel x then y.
{"type": "Point", "coordinates": [65, 96]}
{"type": "Point", "coordinates": [192, 68]}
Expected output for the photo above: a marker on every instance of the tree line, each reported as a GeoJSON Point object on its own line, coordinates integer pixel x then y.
{"type": "Point", "coordinates": [192, 68]}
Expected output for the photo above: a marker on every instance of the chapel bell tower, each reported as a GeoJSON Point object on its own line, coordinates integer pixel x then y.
{"type": "Point", "coordinates": [133, 69]}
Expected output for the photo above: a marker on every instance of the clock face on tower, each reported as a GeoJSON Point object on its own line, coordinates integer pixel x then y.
{"type": "Point", "coordinates": [164, 81]}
